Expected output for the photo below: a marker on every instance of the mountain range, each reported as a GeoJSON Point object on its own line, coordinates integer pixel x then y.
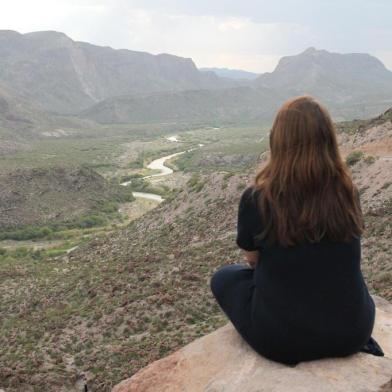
{"type": "Point", "coordinates": [65, 76]}
{"type": "Point", "coordinates": [46, 74]}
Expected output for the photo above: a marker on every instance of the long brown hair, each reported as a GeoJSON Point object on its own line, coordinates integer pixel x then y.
{"type": "Point", "coordinates": [306, 190]}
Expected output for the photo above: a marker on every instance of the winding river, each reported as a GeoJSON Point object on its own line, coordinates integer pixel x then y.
{"type": "Point", "coordinates": [159, 164]}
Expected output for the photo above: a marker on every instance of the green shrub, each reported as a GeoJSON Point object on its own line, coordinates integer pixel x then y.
{"type": "Point", "coordinates": [130, 177]}
{"type": "Point", "coordinates": [195, 183]}
{"type": "Point", "coordinates": [109, 207]}
{"type": "Point", "coordinates": [21, 252]}
{"type": "Point", "coordinates": [91, 221]}
{"type": "Point", "coordinates": [198, 187]}
{"type": "Point", "coordinates": [128, 198]}
{"type": "Point", "coordinates": [228, 175]}
{"type": "Point", "coordinates": [26, 233]}
{"type": "Point", "coordinates": [37, 254]}
{"type": "Point", "coordinates": [354, 157]}
{"type": "Point", "coordinates": [138, 162]}
{"type": "Point", "coordinates": [193, 180]}
{"type": "Point", "coordinates": [369, 159]}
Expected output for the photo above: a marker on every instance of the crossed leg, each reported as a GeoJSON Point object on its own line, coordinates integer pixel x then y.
{"type": "Point", "coordinates": [232, 286]}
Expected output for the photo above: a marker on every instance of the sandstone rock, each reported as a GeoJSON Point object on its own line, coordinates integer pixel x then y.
{"type": "Point", "coordinates": [223, 362]}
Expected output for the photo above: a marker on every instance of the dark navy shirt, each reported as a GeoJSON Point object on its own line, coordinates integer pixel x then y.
{"type": "Point", "coordinates": [310, 300]}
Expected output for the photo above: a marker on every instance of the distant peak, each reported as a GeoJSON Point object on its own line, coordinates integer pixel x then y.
{"type": "Point", "coordinates": [314, 52]}
{"type": "Point", "coordinates": [48, 34]}
{"type": "Point", "coordinates": [7, 31]}
{"type": "Point", "coordinates": [311, 49]}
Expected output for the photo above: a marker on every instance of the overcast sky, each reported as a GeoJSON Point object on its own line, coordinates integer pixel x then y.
{"type": "Point", "coordinates": [250, 35]}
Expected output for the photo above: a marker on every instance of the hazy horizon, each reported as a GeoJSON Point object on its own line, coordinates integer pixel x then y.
{"type": "Point", "coordinates": [251, 37]}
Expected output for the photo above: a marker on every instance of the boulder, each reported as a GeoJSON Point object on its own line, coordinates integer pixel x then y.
{"type": "Point", "coordinates": [223, 362]}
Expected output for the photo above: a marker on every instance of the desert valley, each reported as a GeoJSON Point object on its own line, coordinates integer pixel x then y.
{"type": "Point", "coordinates": [120, 177]}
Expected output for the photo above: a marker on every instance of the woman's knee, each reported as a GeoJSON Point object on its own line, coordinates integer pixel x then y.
{"type": "Point", "coordinates": [216, 281]}
{"type": "Point", "coordinates": [226, 276]}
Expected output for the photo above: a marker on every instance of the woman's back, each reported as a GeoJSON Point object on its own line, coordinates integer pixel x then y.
{"type": "Point", "coordinates": [305, 293]}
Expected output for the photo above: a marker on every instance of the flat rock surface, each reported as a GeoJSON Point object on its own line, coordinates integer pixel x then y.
{"type": "Point", "coordinates": [223, 362]}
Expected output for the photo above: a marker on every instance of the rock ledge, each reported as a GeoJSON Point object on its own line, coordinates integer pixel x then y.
{"type": "Point", "coordinates": [223, 362]}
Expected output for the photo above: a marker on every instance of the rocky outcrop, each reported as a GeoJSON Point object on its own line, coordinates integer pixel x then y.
{"type": "Point", "coordinates": [327, 74]}
{"type": "Point", "coordinates": [223, 362]}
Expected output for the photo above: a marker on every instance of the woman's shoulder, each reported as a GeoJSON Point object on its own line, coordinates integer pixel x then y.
{"type": "Point", "coordinates": [250, 194]}
{"type": "Point", "coordinates": [249, 200]}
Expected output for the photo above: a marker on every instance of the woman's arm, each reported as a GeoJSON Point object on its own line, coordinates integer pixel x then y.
{"type": "Point", "coordinates": [247, 223]}
{"type": "Point", "coordinates": [252, 257]}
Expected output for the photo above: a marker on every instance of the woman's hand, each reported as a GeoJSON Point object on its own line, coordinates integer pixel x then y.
{"type": "Point", "coordinates": [252, 257]}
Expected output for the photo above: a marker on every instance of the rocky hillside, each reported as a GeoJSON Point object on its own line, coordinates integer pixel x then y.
{"type": "Point", "coordinates": [22, 122]}
{"type": "Point", "coordinates": [18, 121]}
{"type": "Point", "coordinates": [64, 76]}
{"type": "Point", "coordinates": [55, 195]}
{"type": "Point", "coordinates": [123, 300]}
{"type": "Point", "coordinates": [12, 110]}
{"type": "Point", "coordinates": [104, 311]}
{"type": "Point", "coordinates": [368, 144]}
{"type": "Point", "coordinates": [238, 105]}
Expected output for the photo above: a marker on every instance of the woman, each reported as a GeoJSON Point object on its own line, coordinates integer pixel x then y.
{"type": "Point", "coordinates": [303, 296]}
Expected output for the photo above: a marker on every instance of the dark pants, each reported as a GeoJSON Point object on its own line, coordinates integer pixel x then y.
{"type": "Point", "coordinates": [232, 286]}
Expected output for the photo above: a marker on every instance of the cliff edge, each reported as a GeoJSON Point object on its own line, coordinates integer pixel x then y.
{"type": "Point", "coordinates": [223, 362]}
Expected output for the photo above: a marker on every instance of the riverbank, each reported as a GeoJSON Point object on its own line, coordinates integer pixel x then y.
{"type": "Point", "coordinates": [159, 164]}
